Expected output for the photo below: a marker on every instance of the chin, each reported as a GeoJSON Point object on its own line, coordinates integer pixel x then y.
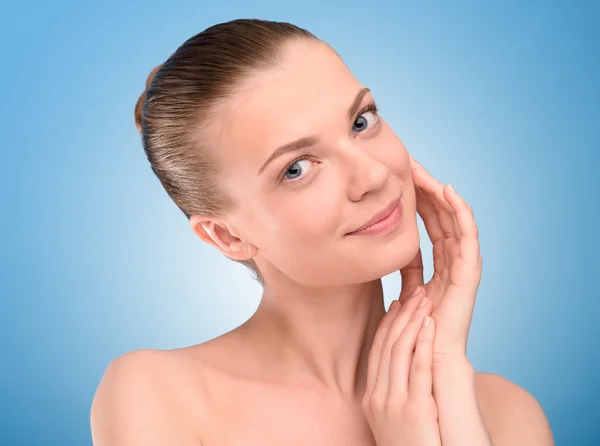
{"type": "Point", "coordinates": [402, 251]}
{"type": "Point", "coordinates": [355, 263]}
{"type": "Point", "coordinates": [379, 261]}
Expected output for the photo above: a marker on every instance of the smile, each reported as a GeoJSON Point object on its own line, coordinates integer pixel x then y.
{"type": "Point", "coordinates": [386, 224]}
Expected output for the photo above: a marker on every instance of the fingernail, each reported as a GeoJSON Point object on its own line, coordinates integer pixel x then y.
{"type": "Point", "coordinates": [394, 302]}
{"type": "Point", "coordinates": [426, 321]}
{"type": "Point", "coordinates": [423, 302]}
{"type": "Point", "coordinates": [451, 189]}
{"type": "Point", "coordinates": [416, 290]}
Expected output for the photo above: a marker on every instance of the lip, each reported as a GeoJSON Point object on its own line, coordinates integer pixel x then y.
{"type": "Point", "coordinates": [379, 216]}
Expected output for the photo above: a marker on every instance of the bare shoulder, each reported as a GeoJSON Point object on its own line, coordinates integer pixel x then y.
{"type": "Point", "coordinates": [137, 402]}
{"type": "Point", "coordinates": [512, 415]}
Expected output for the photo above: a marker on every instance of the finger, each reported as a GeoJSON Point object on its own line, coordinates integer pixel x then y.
{"type": "Point", "coordinates": [402, 351]}
{"type": "Point", "coordinates": [377, 346]}
{"type": "Point", "coordinates": [416, 164]}
{"type": "Point", "coordinates": [412, 276]}
{"type": "Point", "coordinates": [437, 197]}
{"type": "Point", "coordinates": [440, 204]}
{"type": "Point", "coordinates": [401, 318]}
{"type": "Point", "coordinates": [421, 375]}
{"type": "Point", "coordinates": [441, 208]}
{"type": "Point", "coordinates": [429, 216]}
{"type": "Point", "coordinates": [469, 233]}
{"type": "Point", "coordinates": [434, 190]}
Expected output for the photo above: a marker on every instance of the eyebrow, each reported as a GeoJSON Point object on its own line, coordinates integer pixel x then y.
{"type": "Point", "coordinates": [308, 141]}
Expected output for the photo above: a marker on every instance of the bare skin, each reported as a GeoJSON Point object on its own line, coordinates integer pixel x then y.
{"type": "Point", "coordinates": [296, 371]}
{"type": "Point", "coordinates": [207, 395]}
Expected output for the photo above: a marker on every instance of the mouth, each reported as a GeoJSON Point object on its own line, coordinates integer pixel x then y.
{"type": "Point", "coordinates": [383, 221]}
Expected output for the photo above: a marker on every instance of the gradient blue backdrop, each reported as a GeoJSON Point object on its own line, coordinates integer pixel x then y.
{"type": "Point", "coordinates": [502, 100]}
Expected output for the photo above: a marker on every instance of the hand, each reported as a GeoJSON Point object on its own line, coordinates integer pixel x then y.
{"type": "Point", "coordinates": [398, 400]}
{"type": "Point", "coordinates": [456, 259]}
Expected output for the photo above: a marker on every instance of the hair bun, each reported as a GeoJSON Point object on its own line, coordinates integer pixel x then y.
{"type": "Point", "coordinates": [139, 105]}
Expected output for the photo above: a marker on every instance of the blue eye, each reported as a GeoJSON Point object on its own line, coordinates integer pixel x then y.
{"type": "Point", "coordinates": [362, 122]}
{"type": "Point", "coordinates": [294, 170]}
{"type": "Point", "coordinates": [367, 117]}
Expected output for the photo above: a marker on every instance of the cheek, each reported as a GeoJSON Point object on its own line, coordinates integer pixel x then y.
{"type": "Point", "coordinates": [311, 220]}
{"type": "Point", "coordinates": [304, 223]}
{"type": "Point", "coordinates": [306, 228]}
{"type": "Point", "coordinates": [393, 153]}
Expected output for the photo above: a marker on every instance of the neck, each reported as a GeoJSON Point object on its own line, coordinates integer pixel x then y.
{"type": "Point", "coordinates": [320, 336]}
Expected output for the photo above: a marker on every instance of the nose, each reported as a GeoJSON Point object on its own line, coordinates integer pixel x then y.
{"type": "Point", "coordinates": [366, 173]}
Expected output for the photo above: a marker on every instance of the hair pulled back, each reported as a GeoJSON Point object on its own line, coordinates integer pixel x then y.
{"type": "Point", "coordinates": [181, 95]}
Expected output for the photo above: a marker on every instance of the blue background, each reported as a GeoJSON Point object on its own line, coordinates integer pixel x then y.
{"type": "Point", "coordinates": [501, 100]}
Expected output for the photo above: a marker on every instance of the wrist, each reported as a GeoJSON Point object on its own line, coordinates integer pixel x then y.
{"type": "Point", "coordinates": [459, 416]}
{"type": "Point", "coordinates": [455, 363]}
{"type": "Point", "coordinates": [454, 375]}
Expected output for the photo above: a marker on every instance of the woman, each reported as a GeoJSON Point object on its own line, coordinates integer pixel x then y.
{"type": "Point", "coordinates": [279, 159]}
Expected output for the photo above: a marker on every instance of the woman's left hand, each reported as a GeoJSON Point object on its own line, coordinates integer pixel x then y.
{"type": "Point", "coordinates": [457, 263]}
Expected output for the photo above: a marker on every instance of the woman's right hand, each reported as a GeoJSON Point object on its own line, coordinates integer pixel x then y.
{"type": "Point", "coordinates": [398, 400]}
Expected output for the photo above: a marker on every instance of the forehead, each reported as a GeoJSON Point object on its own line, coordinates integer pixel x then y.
{"type": "Point", "coordinates": [310, 87]}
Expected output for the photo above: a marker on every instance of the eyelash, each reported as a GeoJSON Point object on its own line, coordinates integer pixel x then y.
{"type": "Point", "coordinates": [372, 107]}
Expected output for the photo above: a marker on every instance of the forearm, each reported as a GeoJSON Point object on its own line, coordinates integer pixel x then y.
{"type": "Point", "coordinates": [459, 417]}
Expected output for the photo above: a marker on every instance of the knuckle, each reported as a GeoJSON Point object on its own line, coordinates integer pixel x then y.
{"type": "Point", "coordinates": [417, 411]}
{"type": "Point", "coordinates": [399, 347]}
{"type": "Point", "coordinates": [422, 337]}
{"type": "Point", "coordinates": [365, 405]}
{"type": "Point", "coordinates": [376, 403]}
{"type": "Point", "coordinates": [412, 412]}
{"type": "Point", "coordinates": [403, 315]}
{"type": "Point", "coordinates": [418, 314]}
{"type": "Point", "coordinates": [421, 366]}
{"type": "Point", "coordinates": [394, 406]}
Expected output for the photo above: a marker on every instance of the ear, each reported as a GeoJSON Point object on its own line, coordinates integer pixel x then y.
{"type": "Point", "coordinates": [217, 233]}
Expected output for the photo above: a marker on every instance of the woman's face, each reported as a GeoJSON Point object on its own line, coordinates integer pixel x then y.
{"type": "Point", "coordinates": [294, 214]}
